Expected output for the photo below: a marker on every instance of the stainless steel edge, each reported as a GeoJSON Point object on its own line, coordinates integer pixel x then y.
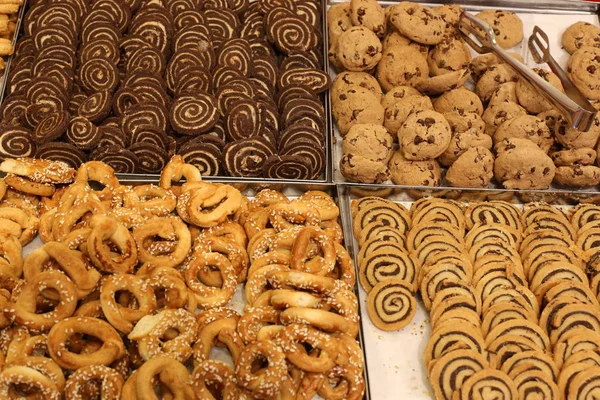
{"type": "Point", "coordinates": [16, 36]}
{"type": "Point", "coordinates": [346, 219]}
{"type": "Point", "coordinates": [329, 134]}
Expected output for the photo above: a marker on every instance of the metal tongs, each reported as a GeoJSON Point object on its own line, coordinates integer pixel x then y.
{"type": "Point", "coordinates": [573, 105]}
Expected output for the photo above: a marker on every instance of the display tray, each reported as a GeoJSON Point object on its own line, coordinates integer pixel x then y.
{"type": "Point", "coordinates": [553, 17]}
{"type": "Point", "coordinates": [394, 360]}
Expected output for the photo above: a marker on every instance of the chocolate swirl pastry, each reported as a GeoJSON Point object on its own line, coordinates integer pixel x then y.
{"type": "Point", "coordinates": [61, 54]}
{"type": "Point", "coordinates": [157, 31]}
{"type": "Point", "coordinates": [99, 30]}
{"type": "Point", "coordinates": [239, 6]}
{"type": "Point", "coordinates": [265, 6]}
{"type": "Point", "coordinates": [123, 161]}
{"type": "Point", "coordinates": [147, 114]}
{"type": "Point", "coordinates": [187, 18]}
{"type": "Point", "coordinates": [193, 114]}
{"type": "Point", "coordinates": [381, 265]}
{"type": "Point", "coordinates": [149, 134]}
{"type": "Point", "coordinates": [495, 383]}
{"type": "Point", "coordinates": [218, 131]}
{"type": "Point", "coordinates": [140, 78]}
{"type": "Point", "coordinates": [152, 158]}
{"type": "Point", "coordinates": [236, 53]}
{"type": "Point", "coordinates": [194, 37]}
{"type": "Point", "coordinates": [391, 305]}
{"type": "Point", "coordinates": [63, 76]}
{"type": "Point", "coordinates": [207, 157]}
{"type": "Point", "coordinates": [531, 360]}
{"type": "Point", "coordinates": [223, 74]}
{"type": "Point", "coordinates": [218, 4]}
{"type": "Point", "coordinates": [195, 79]}
{"type": "Point", "coordinates": [18, 79]}
{"type": "Point", "coordinates": [584, 213]}
{"type": "Point", "coordinates": [99, 48]}
{"type": "Point", "coordinates": [449, 334]}
{"type": "Point", "coordinates": [30, 20]}
{"type": "Point", "coordinates": [46, 89]}
{"type": "Point", "coordinates": [311, 78]}
{"type": "Point", "coordinates": [112, 136]}
{"type": "Point", "coordinates": [65, 152]}
{"type": "Point", "coordinates": [151, 92]}
{"type": "Point", "coordinates": [298, 109]}
{"type": "Point", "coordinates": [496, 212]}
{"type": "Point", "coordinates": [147, 59]}
{"type": "Point", "coordinates": [83, 134]}
{"type": "Point", "coordinates": [388, 213]}
{"type": "Point", "coordinates": [246, 157]}
{"type": "Point", "coordinates": [291, 92]}
{"type": "Point", "coordinates": [253, 26]}
{"type": "Point", "coordinates": [287, 167]}
{"type": "Point", "coordinates": [299, 60]}
{"type": "Point", "coordinates": [98, 74]}
{"type": "Point", "coordinates": [181, 61]}
{"type": "Point", "coordinates": [375, 244]}
{"type": "Point", "coordinates": [13, 108]}
{"type": "Point", "coordinates": [178, 6]}
{"type": "Point", "coordinates": [52, 127]}
{"type": "Point", "coordinates": [234, 90]}
{"type": "Point", "coordinates": [381, 234]}
{"type": "Point", "coordinates": [117, 11]}
{"type": "Point", "coordinates": [243, 120]}
{"type": "Point", "coordinates": [53, 34]}
{"type": "Point", "coordinates": [532, 384]}
{"type": "Point", "coordinates": [309, 11]}
{"type": "Point", "coordinates": [439, 211]}
{"type": "Point", "coordinates": [96, 107]}
{"type": "Point", "coordinates": [311, 150]}
{"type": "Point", "coordinates": [35, 113]}
{"type": "Point", "coordinates": [131, 43]}
{"type": "Point", "coordinates": [16, 142]}
{"type": "Point", "coordinates": [290, 33]}
{"type": "Point", "coordinates": [270, 115]}
{"type": "Point", "coordinates": [57, 15]}
{"type": "Point", "coordinates": [448, 373]}
{"type": "Point", "coordinates": [265, 69]}
{"type": "Point", "coordinates": [122, 100]}
{"type": "Point", "coordinates": [223, 24]}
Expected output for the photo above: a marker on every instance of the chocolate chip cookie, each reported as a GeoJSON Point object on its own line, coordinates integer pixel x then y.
{"type": "Point", "coordinates": [492, 78]}
{"type": "Point", "coordinates": [370, 141]}
{"type": "Point", "coordinates": [369, 14]}
{"type": "Point", "coordinates": [567, 157]}
{"type": "Point", "coordinates": [396, 114]}
{"type": "Point", "coordinates": [448, 56]}
{"type": "Point", "coordinates": [580, 34]}
{"type": "Point", "coordinates": [507, 26]}
{"type": "Point", "coordinates": [360, 169]}
{"type": "Point", "coordinates": [396, 94]}
{"type": "Point", "coordinates": [498, 113]}
{"type": "Point", "coordinates": [356, 105]}
{"type": "Point", "coordinates": [339, 20]}
{"type": "Point", "coordinates": [474, 168]}
{"type": "Point", "coordinates": [530, 98]}
{"type": "Point", "coordinates": [505, 92]}
{"type": "Point", "coordinates": [460, 99]}
{"type": "Point", "coordinates": [417, 22]}
{"type": "Point", "coordinates": [577, 175]}
{"type": "Point", "coordinates": [346, 79]}
{"type": "Point", "coordinates": [414, 173]}
{"type": "Point", "coordinates": [584, 70]}
{"type": "Point", "coordinates": [401, 65]}
{"type": "Point", "coordinates": [436, 85]}
{"type": "Point", "coordinates": [359, 49]}
{"type": "Point", "coordinates": [481, 63]}
{"type": "Point", "coordinates": [572, 138]}
{"type": "Point", "coordinates": [521, 164]}
{"type": "Point", "coordinates": [424, 135]}
{"type": "Point", "coordinates": [461, 142]}
{"type": "Point", "coordinates": [526, 127]}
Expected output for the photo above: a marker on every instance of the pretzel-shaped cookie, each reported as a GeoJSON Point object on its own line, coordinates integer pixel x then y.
{"type": "Point", "coordinates": [109, 380]}
{"type": "Point", "coordinates": [167, 228]}
{"type": "Point", "coordinates": [175, 170]}
{"type": "Point", "coordinates": [99, 172]}
{"type": "Point", "coordinates": [169, 372]}
{"type": "Point", "coordinates": [104, 257]}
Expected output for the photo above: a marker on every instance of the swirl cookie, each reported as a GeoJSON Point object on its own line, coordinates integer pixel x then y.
{"type": "Point", "coordinates": [385, 264]}
{"type": "Point", "coordinates": [391, 305]}
{"type": "Point", "coordinates": [507, 26]}
{"type": "Point", "coordinates": [424, 135]}
{"type": "Point", "coordinates": [417, 22]}
{"type": "Point", "coordinates": [193, 114]}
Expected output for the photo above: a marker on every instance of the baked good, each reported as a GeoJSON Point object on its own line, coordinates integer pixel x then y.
{"type": "Point", "coordinates": [357, 105]}
{"type": "Point", "coordinates": [505, 92]}
{"type": "Point", "coordinates": [577, 175]}
{"type": "Point", "coordinates": [357, 168]}
{"type": "Point", "coordinates": [391, 305]}
{"type": "Point", "coordinates": [397, 112]}
{"type": "Point", "coordinates": [521, 164]}
{"type": "Point", "coordinates": [460, 99]}
{"type": "Point", "coordinates": [473, 168]}
{"type": "Point", "coordinates": [437, 85]}
{"type": "Point", "coordinates": [461, 142]}
{"type": "Point", "coordinates": [396, 94]}
{"type": "Point", "coordinates": [424, 135]}
{"type": "Point", "coordinates": [346, 79]}
{"type": "Point", "coordinates": [358, 49]}
{"type": "Point", "coordinates": [339, 20]}
{"type": "Point", "coordinates": [369, 14]}
{"type": "Point", "coordinates": [526, 127]}
{"type": "Point", "coordinates": [493, 77]}
{"type": "Point", "coordinates": [401, 65]}
{"type": "Point", "coordinates": [495, 115]}
{"type": "Point", "coordinates": [417, 22]}
{"type": "Point", "coordinates": [573, 138]}
{"type": "Point", "coordinates": [414, 173]}
{"type": "Point", "coordinates": [583, 69]}
{"type": "Point", "coordinates": [393, 38]}
{"type": "Point", "coordinates": [507, 26]}
{"type": "Point", "coordinates": [448, 56]}
{"type": "Point", "coordinates": [529, 98]}
{"type": "Point", "coordinates": [566, 157]}
{"type": "Point", "coordinates": [580, 34]}
{"type": "Point", "coordinates": [481, 63]}
{"type": "Point", "coordinates": [370, 141]}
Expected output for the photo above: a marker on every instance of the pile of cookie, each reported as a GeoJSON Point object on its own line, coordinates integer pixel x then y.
{"type": "Point", "coordinates": [401, 79]}
{"type": "Point", "coordinates": [8, 23]}
{"type": "Point", "coordinates": [232, 87]}
{"type": "Point", "coordinates": [513, 295]}
{"type": "Point", "coordinates": [130, 290]}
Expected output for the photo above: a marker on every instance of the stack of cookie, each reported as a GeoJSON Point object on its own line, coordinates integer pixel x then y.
{"type": "Point", "coordinates": [232, 87]}
{"type": "Point", "coordinates": [411, 58]}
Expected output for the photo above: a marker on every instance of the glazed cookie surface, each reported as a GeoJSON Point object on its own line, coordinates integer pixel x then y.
{"type": "Point", "coordinates": [580, 34]}
{"type": "Point", "coordinates": [401, 65]}
{"type": "Point", "coordinates": [358, 49]}
{"type": "Point", "coordinates": [414, 173]}
{"type": "Point", "coordinates": [507, 26]}
{"type": "Point", "coordinates": [474, 168]}
{"type": "Point", "coordinates": [424, 135]}
{"type": "Point", "coordinates": [417, 22]}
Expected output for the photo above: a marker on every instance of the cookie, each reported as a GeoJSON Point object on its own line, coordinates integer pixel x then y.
{"type": "Point", "coordinates": [424, 135]}
{"type": "Point", "coordinates": [417, 22]}
{"type": "Point", "coordinates": [369, 14]}
{"type": "Point", "coordinates": [572, 138]}
{"type": "Point", "coordinates": [580, 34]}
{"type": "Point", "coordinates": [526, 127]}
{"type": "Point", "coordinates": [505, 92]}
{"type": "Point", "coordinates": [357, 105]}
{"type": "Point", "coordinates": [359, 49]}
{"type": "Point", "coordinates": [530, 98]}
{"type": "Point", "coordinates": [347, 79]}
{"type": "Point", "coordinates": [448, 56]}
{"type": "Point", "coordinates": [481, 63]}
{"type": "Point", "coordinates": [450, 14]}
{"type": "Point", "coordinates": [507, 26]}
{"type": "Point", "coordinates": [461, 142]}
{"type": "Point", "coordinates": [474, 168]}
{"type": "Point", "coordinates": [498, 113]}
{"type": "Point", "coordinates": [521, 164]}
{"type": "Point", "coordinates": [370, 141]}
{"type": "Point", "coordinates": [550, 117]}
{"type": "Point", "coordinates": [569, 157]}
{"type": "Point", "coordinates": [396, 114]}
{"type": "Point", "coordinates": [396, 94]}
{"type": "Point", "coordinates": [391, 304]}
{"type": "Point", "coordinates": [584, 70]}
{"type": "Point", "coordinates": [437, 85]}
{"type": "Point", "coordinates": [339, 20]}
{"type": "Point", "coordinates": [461, 99]}
{"type": "Point", "coordinates": [492, 78]}
{"type": "Point", "coordinates": [393, 37]}
{"type": "Point", "coordinates": [414, 173]}
{"type": "Point", "coordinates": [356, 168]}
{"type": "Point", "coordinates": [401, 65]}
{"type": "Point", "coordinates": [577, 175]}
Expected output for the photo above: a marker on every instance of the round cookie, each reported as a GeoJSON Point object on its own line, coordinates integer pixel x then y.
{"type": "Point", "coordinates": [580, 156]}
{"type": "Point", "coordinates": [526, 127]}
{"type": "Point", "coordinates": [358, 49]}
{"type": "Point", "coordinates": [577, 175]}
{"type": "Point", "coordinates": [492, 78]}
{"type": "Point", "coordinates": [356, 168]}
{"type": "Point", "coordinates": [339, 20]}
{"type": "Point", "coordinates": [580, 34]}
{"type": "Point", "coordinates": [396, 94]}
{"type": "Point", "coordinates": [450, 13]}
{"type": "Point", "coordinates": [481, 63]}
{"type": "Point", "coordinates": [414, 173]}
{"type": "Point", "coordinates": [461, 142]}
{"type": "Point", "coordinates": [396, 114]}
{"type": "Point", "coordinates": [370, 141]}
{"type": "Point", "coordinates": [550, 117]}
{"type": "Point", "coordinates": [436, 85]}
{"type": "Point", "coordinates": [394, 37]}
{"type": "Point", "coordinates": [464, 122]}
{"type": "Point", "coordinates": [474, 168]}
{"type": "Point", "coordinates": [448, 56]}
{"type": "Point", "coordinates": [460, 99]}
{"type": "Point", "coordinates": [530, 98]}
{"type": "Point", "coordinates": [417, 22]}
{"type": "Point", "coordinates": [369, 14]}
{"type": "Point", "coordinates": [356, 105]}
{"type": "Point", "coordinates": [584, 70]}
{"type": "Point", "coordinates": [347, 79]}
{"type": "Point", "coordinates": [424, 135]}
{"type": "Point", "coordinates": [401, 65]}
{"type": "Point", "coordinates": [521, 164]}
{"type": "Point", "coordinates": [572, 138]}
{"type": "Point", "coordinates": [505, 92]}
{"type": "Point", "coordinates": [498, 113]}
{"type": "Point", "coordinates": [507, 26]}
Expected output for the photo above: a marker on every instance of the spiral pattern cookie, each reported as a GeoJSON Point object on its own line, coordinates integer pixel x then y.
{"type": "Point", "coordinates": [64, 152]}
{"type": "Point", "coordinates": [449, 372]}
{"type": "Point", "coordinates": [149, 113]}
{"type": "Point", "coordinates": [246, 157]}
{"type": "Point", "coordinates": [152, 158]}
{"type": "Point", "coordinates": [51, 127]}
{"type": "Point", "coordinates": [82, 133]}
{"type": "Point", "coordinates": [391, 305]}
{"type": "Point", "coordinates": [121, 160]}
{"type": "Point", "coordinates": [193, 114]}
{"type": "Point", "coordinates": [204, 156]}
{"type": "Point", "coordinates": [96, 107]}
{"type": "Point", "coordinates": [287, 167]}
{"type": "Point", "coordinates": [98, 74]}
{"type": "Point", "coordinates": [16, 142]}
{"type": "Point", "coordinates": [290, 33]}
{"type": "Point", "coordinates": [236, 53]}
{"type": "Point", "coordinates": [99, 48]}
{"type": "Point", "coordinates": [313, 79]}
{"type": "Point", "coordinates": [243, 120]}
{"type": "Point", "coordinates": [381, 265]}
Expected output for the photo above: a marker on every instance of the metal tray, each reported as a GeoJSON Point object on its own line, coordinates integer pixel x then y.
{"type": "Point", "coordinates": [8, 62]}
{"type": "Point", "coordinates": [553, 16]}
